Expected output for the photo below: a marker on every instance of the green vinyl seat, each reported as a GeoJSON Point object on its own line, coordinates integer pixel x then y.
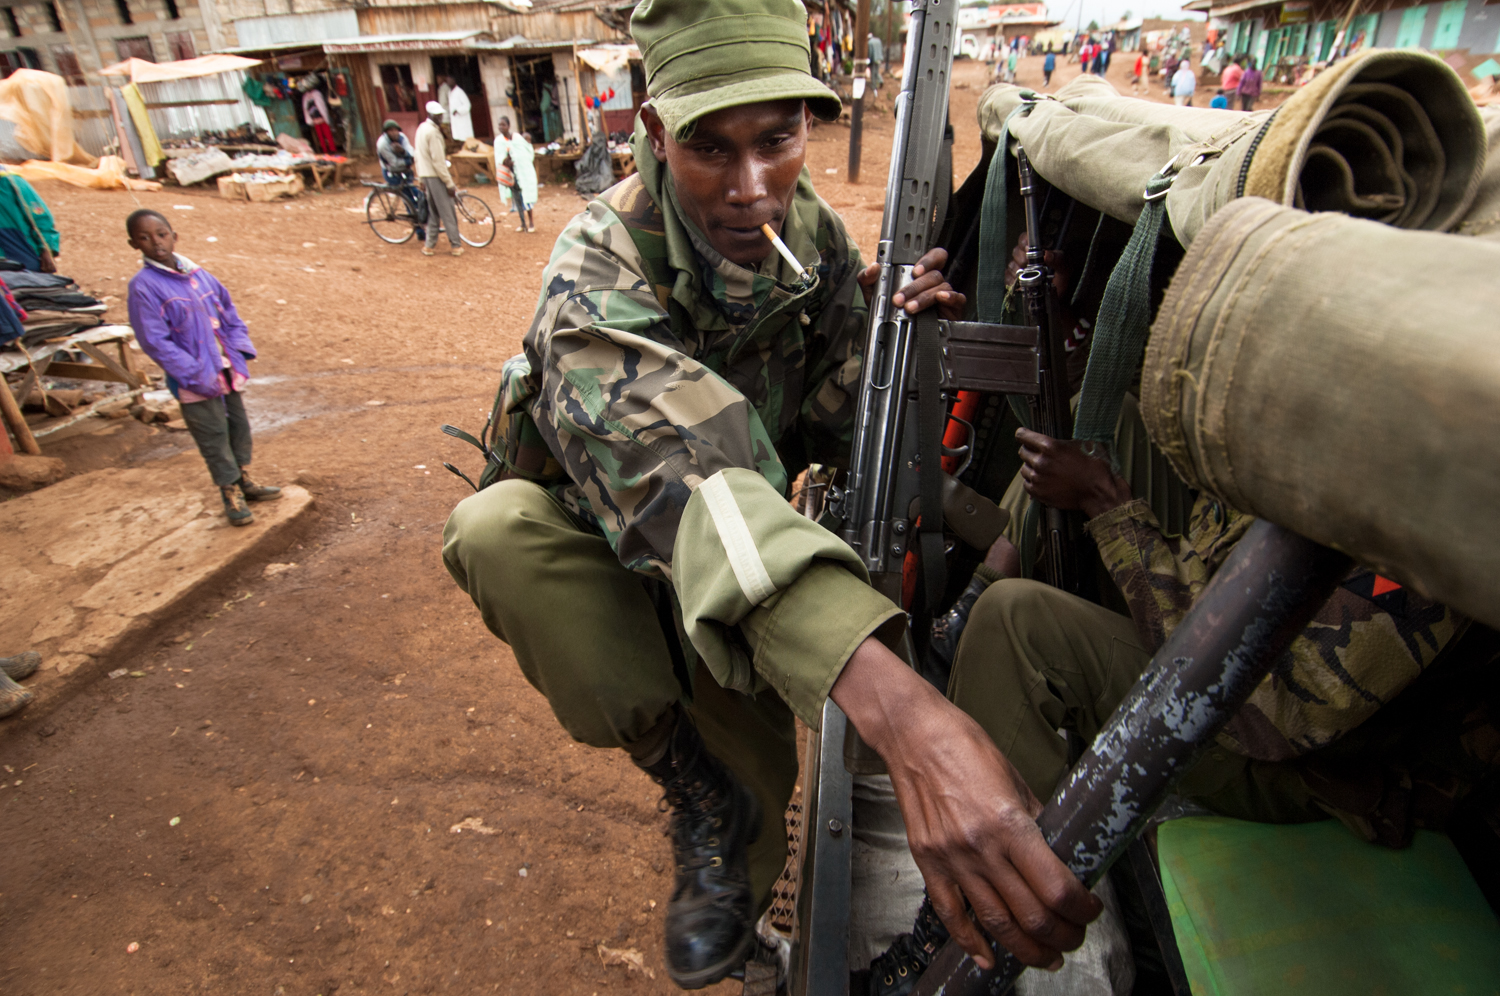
{"type": "Point", "coordinates": [1309, 908]}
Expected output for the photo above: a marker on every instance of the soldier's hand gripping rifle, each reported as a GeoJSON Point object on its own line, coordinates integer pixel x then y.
{"type": "Point", "coordinates": [896, 497]}
{"type": "Point", "coordinates": [895, 488]}
{"type": "Point", "coordinates": [1051, 413]}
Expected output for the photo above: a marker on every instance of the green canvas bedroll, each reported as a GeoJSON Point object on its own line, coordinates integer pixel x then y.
{"type": "Point", "coordinates": [1341, 378]}
{"type": "Point", "coordinates": [1392, 136]}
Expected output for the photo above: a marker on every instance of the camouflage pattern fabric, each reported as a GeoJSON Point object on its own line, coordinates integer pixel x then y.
{"type": "Point", "coordinates": [656, 363]}
{"type": "Point", "coordinates": [1369, 641]}
{"type": "Point", "coordinates": [512, 434]}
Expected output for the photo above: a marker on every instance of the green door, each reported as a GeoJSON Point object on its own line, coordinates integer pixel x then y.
{"type": "Point", "coordinates": [1413, 20]}
{"type": "Point", "coordinates": [1450, 22]}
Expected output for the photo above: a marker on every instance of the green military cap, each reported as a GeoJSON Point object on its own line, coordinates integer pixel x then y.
{"type": "Point", "coordinates": [705, 55]}
{"type": "Point", "coordinates": [389, 124]}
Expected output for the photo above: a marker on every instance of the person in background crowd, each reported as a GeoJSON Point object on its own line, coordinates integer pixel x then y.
{"type": "Point", "coordinates": [1230, 80]}
{"type": "Point", "coordinates": [185, 321]}
{"type": "Point", "coordinates": [460, 118]}
{"type": "Point", "coordinates": [1139, 84]}
{"type": "Point", "coordinates": [1250, 82]}
{"type": "Point", "coordinates": [520, 157]}
{"type": "Point", "coordinates": [14, 698]}
{"type": "Point", "coordinates": [1012, 60]}
{"type": "Point", "coordinates": [27, 233]}
{"type": "Point", "coordinates": [1220, 102]}
{"type": "Point", "coordinates": [1184, 82]}
{"type": "Point", "coordinates": [398, 161]}
{"type": "Point", "coordinates": [877, 55]}
{"type": "Point", "coordinates": [1049, 66]}
{"type": "Point", "coordinates": [444, 91]}
{"type": "Point", "coordinates": [437, 182]}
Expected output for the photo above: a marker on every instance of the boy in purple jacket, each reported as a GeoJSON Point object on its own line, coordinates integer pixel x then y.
{"type": "Point", "coordinates": [184, 320]}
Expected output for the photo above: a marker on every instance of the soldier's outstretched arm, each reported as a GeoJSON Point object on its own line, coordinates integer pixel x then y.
{"type": "Point", "coordinates": [970, 819]}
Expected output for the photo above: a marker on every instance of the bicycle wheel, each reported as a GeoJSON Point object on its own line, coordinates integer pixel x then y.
{"type": "Point", "coordinates": [476, 222]}
{"type": "Point", "coordinates": [389, 216]}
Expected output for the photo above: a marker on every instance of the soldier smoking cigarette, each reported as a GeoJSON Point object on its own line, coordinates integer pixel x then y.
{"type": "Point", "coordinates": [786, 253]}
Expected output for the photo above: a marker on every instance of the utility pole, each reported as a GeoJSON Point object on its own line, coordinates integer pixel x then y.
{"type": "Point", "coordinates": [861, 81]}
{"type": "Point", "coordinates": [890, 37]}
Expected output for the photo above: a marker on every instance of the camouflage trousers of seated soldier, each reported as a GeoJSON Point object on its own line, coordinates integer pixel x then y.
{"type": "Point", "coordinates": [1034, 660]}
{"type": "Point", "coordinates": [593, 638]}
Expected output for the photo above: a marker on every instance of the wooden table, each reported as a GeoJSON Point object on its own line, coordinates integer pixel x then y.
{"type": "Point", "coordinates": [319, 171]}
{"type": "Point", "coordinates": [623, 163]}
{"type": "Point", "coordinates": [38, 362]}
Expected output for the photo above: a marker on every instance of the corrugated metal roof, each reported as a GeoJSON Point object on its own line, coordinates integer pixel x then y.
{"type": "Point", "coordinates": [419, 41]}
{"type": "Point", "coordinates": [521, 44]}
{"type": "Point", "coordinates": [311, 46]}
{"type": "Point", "coordinates": [1218, 10]}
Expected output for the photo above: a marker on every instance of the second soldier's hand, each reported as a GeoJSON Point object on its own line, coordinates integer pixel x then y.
{"type": "Point", "coordinates": [928, 288]}
{"type": "Point", "coordinates": [1057, 472]}
{"type": "Point", "coordinates": [970, 819]}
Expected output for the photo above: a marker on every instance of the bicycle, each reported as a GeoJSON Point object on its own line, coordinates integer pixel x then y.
{"type": "Point", "coordinates": [395, 213]}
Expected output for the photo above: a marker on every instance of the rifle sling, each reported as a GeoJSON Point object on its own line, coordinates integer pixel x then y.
{"type": "Point", "coordinates": [931, 421]}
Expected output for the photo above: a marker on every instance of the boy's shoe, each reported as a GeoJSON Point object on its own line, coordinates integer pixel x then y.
{"type": "Point", "coordinates": [21, 665]}
{"type": "Point", "coordinates": [235, 509]}
{"type": "Point", "coordinates": [428, 252]}
{"type": "Point", "coordinates": [458, 250]}
{"type": "Point", "coordinates": [257, 492]}
{"type": "Point", "coordinates": [710, 918]}
{"type": "Point", "coordinates": [13, 697]}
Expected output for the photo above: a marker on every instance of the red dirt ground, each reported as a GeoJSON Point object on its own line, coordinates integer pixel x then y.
{"type": "Point", "coordinates": [267, 810]}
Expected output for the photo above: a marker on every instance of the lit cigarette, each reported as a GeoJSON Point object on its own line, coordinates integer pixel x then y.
{"type": "Point", "coordinates": [786, 253]}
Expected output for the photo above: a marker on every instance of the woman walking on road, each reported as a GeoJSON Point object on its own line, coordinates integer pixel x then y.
{"type": "Point", "coordinates": [1250, 83]}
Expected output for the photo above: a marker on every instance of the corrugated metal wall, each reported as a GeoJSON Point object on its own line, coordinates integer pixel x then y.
{"type": "Point", "coordinates": [93, 128]}
{"type": "Point", "coordinates": [424, 20]}
{"type": "Point", "coordinates": [95, 131]}
{"type": "Point", "coordinates": [231, 108]}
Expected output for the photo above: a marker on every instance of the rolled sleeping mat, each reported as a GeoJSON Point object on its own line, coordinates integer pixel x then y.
{"type": "Point", "coordinates": [1392, 136]}
{"type": "Point", "coordinates": [1100, 147]}
{"type": "Point", "coordinates": [1341, 378]}
{"type": "Point", "coordinates": [1483, 217]}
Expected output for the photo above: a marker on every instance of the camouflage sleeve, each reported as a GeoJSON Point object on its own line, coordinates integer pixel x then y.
{"type": "Point", "coordinates": [827, 415]}
{"type": "Point", "coordinates": [636, 422]}
{"type": "Point", "coordinates": [1369, 641]}
{"type": "Point", "coordinates": [1161, 575]}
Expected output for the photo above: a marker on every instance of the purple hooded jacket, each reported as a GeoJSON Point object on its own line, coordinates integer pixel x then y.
{"type": "Point", "coordinates": [180, 319]}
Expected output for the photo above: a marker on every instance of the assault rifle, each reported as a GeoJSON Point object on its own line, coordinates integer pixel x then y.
{"type": "Point", "coordinates": [896, 503]}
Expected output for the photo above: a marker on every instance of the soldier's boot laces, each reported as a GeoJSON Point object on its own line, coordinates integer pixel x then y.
{"type": "Point", "coordinates": [710, 928]}
{"type": "Point", "coordinates": [896, 971]}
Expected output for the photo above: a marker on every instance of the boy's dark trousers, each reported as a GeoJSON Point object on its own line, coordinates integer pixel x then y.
{"type": "Point", "coordinates": [221, 429]}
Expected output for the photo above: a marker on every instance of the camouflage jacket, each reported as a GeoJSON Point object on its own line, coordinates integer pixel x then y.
{"type": "Point", "coordinates": [680, 394]}
{"type": "Point", "coordinates": [1369, 641]}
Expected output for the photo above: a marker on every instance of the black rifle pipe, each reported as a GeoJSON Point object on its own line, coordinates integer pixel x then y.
{"type": "Point", "coordinates": [1266, 592]}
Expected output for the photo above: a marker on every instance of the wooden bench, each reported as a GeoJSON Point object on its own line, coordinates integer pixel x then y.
{"type": "Point", "coordinates": [39, 361]}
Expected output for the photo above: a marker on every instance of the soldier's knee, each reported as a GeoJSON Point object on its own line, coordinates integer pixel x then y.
{"type": "Point", "coordinates": [493, 523]}
{"type": "Point", "coordinates": [1007, 605]}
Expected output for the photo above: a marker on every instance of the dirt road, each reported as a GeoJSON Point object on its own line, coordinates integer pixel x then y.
{"type": "Point", "coordinates": [270, 808]}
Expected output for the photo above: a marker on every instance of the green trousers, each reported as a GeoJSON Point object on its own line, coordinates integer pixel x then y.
{"type": "Point", "coordinates": [587, 635]}
{"type": "Point", "coordinates": [1035, 660]}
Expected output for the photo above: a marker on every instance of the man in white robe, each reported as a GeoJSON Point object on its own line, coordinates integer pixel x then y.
{"type": "Point", "coordinates": [460, 120]}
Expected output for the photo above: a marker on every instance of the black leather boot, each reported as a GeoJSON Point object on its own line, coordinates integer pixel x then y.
{"type": "Point", "coordinates": [896, 971]}
{"type": "Point", "coordinates": [709, 926]}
